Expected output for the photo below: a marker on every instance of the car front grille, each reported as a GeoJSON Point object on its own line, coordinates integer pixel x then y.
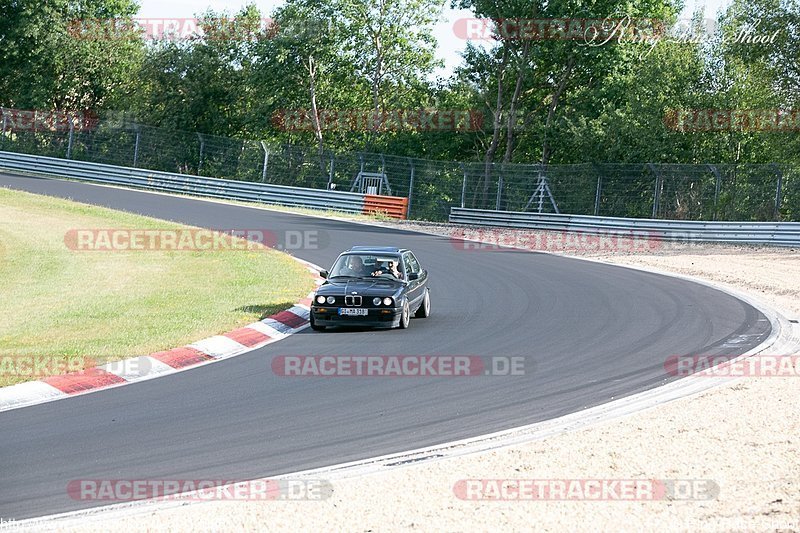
{"type": "Point", "coordinates": [352, 301]}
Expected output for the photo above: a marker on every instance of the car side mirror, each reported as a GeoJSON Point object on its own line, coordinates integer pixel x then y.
{"type": "Point", "coordinates": [412, 276]}
{"type": "Point", "coordinates": [323, 274]}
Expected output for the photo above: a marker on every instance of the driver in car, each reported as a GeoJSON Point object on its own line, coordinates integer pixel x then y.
{"type": "Point", "coordinates": [354, 266]}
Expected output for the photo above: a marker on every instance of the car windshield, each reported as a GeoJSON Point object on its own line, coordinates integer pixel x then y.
{"type": "Point", "coordinates": [367, 265]}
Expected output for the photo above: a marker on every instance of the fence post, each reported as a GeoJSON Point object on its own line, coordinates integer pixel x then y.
{"type": "Point", "coordinates": [136, 147]}
{"type": "Point", "coordinates": [71, 135]}
{"type": "Point", "coordinates": [384, 178]}
{"type": "Point", "coordinates": [463, 185]}
{"type": "Point", "coordinates": [656, 191]}
{"type": "Point", "coordinates": [330, 173]}
{"type": "Point", "coordinates": [266, 162]}
{"type": "Point", "coordinates": [202, 147]}
{"type": "Point", "coordinates": [597, 195]}
{"type": "Point", "coordinates": [499, 190]}
{"type": "Point", "coordinates": [717, 187]}
{"type": "Point", "coordinates": [410, 188]}
{"type": "Point", "coordinates": [778, 191]}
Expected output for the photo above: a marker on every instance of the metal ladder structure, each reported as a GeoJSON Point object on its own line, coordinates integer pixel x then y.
{"type": "Point", "coordinates": [371, 182]}
{"type": "Point", "coordinates": [542, 189]}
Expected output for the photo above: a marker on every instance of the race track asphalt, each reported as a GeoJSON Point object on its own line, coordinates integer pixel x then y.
{"type": "Point", "coordinates": [588, 332]}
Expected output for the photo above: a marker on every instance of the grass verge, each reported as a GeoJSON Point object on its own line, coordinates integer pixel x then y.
{"type": "Point", "coordinates": [67, 306]}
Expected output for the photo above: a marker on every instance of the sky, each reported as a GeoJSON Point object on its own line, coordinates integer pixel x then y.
{"type": "Point", "coordinates": [449, 46]}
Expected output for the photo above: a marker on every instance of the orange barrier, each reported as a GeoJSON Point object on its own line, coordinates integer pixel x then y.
{"type": "Point", "coordinates": [392, 206]}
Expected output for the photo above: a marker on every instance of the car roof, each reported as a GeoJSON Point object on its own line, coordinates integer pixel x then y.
{"type": "Point", "coordinates": [377, 249]}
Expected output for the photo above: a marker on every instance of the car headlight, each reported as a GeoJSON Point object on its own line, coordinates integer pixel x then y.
{"type": "Point", "coordinates": [387, 301]}
{"type": "Point", "coordinates": [331, 300]}
{"type": "Point", "coordinates": [376, 301]}
{"type": "Point", "coordinates": [320, 299]}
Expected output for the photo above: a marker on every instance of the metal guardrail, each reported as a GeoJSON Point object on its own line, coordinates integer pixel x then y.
{"type": "Point", "coordinates": [182, 183]}
{"type": "Point", "coordinates": [774, 233]}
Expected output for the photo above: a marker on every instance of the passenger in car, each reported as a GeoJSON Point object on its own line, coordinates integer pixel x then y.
{"type": "Point", "coordinates": [390, 268]}
{"type": "Point", "coordinates": [393, 269]}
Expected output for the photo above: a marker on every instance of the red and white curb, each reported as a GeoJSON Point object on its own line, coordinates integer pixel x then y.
{"type": "Point", "coordinates": [118, 373]}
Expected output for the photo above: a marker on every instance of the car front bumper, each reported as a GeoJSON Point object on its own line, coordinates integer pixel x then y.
{"type": "Point", "coordinates": [387, 317]}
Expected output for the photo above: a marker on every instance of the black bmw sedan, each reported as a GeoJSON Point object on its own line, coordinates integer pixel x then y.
{"type": "Point", "coordinates": [372, 286]}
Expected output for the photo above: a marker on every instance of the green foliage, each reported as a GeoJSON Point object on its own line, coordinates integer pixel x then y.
{"type": "Point", "coordinates": [49, 61]}
{"type": "Point", "coordinates": [542, 101]}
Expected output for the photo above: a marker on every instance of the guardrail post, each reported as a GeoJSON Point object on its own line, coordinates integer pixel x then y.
{"type": "Point", "coordinates": [71, 136]}
{"type": "Point", "coordinates": [410, 187]}
{"type": "Point", "coordinates": [266, 162]}
{"type": "Point", "coordinates": [136, 147]}
{"type": "Point", "coordinates": [778, 192]}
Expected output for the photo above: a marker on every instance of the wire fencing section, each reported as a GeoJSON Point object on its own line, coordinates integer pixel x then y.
{"type": "Point", "coordinates": [790, 201]}
{"type": "Point", "coordinates": [758, 192]}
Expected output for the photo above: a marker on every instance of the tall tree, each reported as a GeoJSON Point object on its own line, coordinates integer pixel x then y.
{"type": "Point", "coordinates": [361, 56]}
{"type": "Point", "coordinates": [391, 44]}
{"type": "Point", "coordinates": [59, 54]}
{"type": "Point", "coordinates": [202, 82]}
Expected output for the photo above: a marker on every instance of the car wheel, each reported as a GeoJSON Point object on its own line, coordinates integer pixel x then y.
{"type": "Point", "coordinates": [424, 310]}
{"type": "Point", "coordinates": [314, 326]}
{"type": "Point", "coordinates": [405, 319]}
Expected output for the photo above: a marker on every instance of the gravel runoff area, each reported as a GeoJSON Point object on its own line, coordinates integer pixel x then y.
{"type": "Point", "coordinates": [744, 436]}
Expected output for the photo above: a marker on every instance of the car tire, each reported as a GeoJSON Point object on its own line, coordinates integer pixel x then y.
{"type": "Point", "coordinates": [314, 326]}
{"type": "Point", "coordinates": [424, 310]}
{"type": "Point", "coordinates": [405, 316]}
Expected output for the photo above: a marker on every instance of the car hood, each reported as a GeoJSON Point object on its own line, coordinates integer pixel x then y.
{"type": "Point", "coordinates": [364, 287]}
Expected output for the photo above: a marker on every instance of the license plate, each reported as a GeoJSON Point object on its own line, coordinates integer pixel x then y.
{"type": "Point", "coordinates": [352, 312]}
